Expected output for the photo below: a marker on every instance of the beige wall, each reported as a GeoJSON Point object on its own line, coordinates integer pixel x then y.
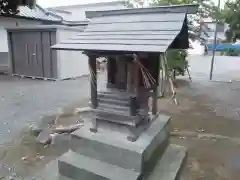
{"type": "Point", "coordinates": [71, 63]}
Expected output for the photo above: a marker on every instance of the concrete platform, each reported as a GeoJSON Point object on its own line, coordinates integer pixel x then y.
{"type": "Point", "coordinates": [112, 146]}
{"type": "Point", "coordinates": [77, 166]}
{"type": "Point", "coordinates": [170, 165]}
{"type": "Point", "coordinates": [167, 168]}
{"type": "Point", "coordinates": [108, 155]}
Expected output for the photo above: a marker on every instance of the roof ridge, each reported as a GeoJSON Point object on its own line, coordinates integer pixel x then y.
{"type": "Point", "coordinates": [184, 8]}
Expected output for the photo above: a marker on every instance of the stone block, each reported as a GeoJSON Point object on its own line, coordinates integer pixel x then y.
{"type": "Point", "coordinates": [113, 147]}
{"type": "Point", "coordinates": [76, 166]}
{"type": "Point", "coordinates": [60, 139]}
{"type": "Point", "coordinates": [170, 165]}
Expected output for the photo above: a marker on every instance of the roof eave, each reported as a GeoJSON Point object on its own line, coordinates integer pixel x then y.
{"type": "Point", "coordinates": [188, 9]}
{"type": "Point", "coordinates": [29, 18]}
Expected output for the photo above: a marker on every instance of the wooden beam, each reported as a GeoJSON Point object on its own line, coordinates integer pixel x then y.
{"type": "Point", "coordinates": [155, 88]}
{"type": "Point", "coordinates": [93, 80]}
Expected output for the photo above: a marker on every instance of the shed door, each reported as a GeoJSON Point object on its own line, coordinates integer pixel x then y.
{"type": "Point", "coordinates": [35, 54]}
{"type": "Point", "coordinates": [27, 53]}
{"type": "Point", "coordinates": [20, 58]}
{"type": "Point", "coordinates": [49, 55]}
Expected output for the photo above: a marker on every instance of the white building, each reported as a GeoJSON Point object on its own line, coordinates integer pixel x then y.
{"type": "Point", "coordinates": [209, 27]}
{"type": "Point", "coordinates": [77, 12]}
{"type": "Point", "coordinates": [25, 17]}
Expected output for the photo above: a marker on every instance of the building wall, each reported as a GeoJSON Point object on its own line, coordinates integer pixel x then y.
{"type": "Point", "coordinates": [221, 29]}
{"type": "Point", "coordinates": [9, 23]}
{"type": "Point", "coordinates": [78, 12]}
{"type": "Point", "coordinates": [70, 63]}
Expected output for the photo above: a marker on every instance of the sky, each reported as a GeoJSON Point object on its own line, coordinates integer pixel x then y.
{"type": "Point", "coordinates": [52, 3]}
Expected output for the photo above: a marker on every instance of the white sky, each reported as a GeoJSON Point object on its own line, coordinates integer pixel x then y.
{"type": "Point", "coordinates": [51, 3]}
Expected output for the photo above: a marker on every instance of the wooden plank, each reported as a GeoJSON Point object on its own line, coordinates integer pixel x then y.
{"type": "Point", "coordinates": [136, 26]}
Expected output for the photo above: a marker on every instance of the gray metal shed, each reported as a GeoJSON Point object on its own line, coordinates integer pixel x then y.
{"type": "Point", "coordinates": [31, 55]}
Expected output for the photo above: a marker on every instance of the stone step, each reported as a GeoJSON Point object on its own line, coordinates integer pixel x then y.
{"type": "Point", "coordinates": [113, 107]}
{"type": "Point", "coordinates": [80, 167]}
{"type": "Point", "coordinates": [112, 113]}
{"type": "Point", "coordinates": [121, 97]}
{"type": "Point", "coordinates": [116, 116]}
{"type": "Point", "coordinates": [112, 146]}
{"type": "Point", "coordinates": [124, 120]}
{"type": "Point", "coordinates": [170, 165]}
{"type": "Point", "coordinates": [114, 101]}
{"type": "Point", "coordinates": [50, 172]}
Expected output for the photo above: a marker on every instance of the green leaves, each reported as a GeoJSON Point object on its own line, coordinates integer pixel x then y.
{"type": "Point", "coordinates": [10, 7]}
{"type": "Point", "coordinates": [232, 17]}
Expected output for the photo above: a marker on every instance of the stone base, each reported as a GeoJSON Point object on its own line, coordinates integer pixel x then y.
{"type": "Point", "coordinates": [108, 155]}
{"type": "Point", "coordinates": [168, 167]}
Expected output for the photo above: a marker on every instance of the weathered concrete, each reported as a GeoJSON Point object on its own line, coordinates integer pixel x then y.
{"type": "Point", "coordinates": [112, 145]}
{"type": "Point", "coordinates": [169, 166]}
{"type": "Point", "coordinates": [225, 67]}
{"type": "Point", "coordinates": [77, 166]}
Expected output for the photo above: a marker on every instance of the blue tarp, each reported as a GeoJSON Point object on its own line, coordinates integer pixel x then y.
{"type": "Point", "coordinates": [220, 47]}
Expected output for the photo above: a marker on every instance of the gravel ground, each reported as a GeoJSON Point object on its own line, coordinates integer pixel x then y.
{"type": "Point", "coordinates": [24, 101]}
{"type": "Point", "coordinates": [211, 106]}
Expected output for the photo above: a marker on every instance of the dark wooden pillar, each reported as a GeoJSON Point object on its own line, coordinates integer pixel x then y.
{"type": "Point", "coordinates": [155, 101]}
{"type": "Point", "coordinates": [156, 71]}
{"type": "Point", "coordinates": [130, 77]}
{"type": "Point", "coordinates": [111, 70]}
{"type": "Point", "coordinates": [93, 80]}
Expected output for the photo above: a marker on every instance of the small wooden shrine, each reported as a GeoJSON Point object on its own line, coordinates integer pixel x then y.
{"type": "Point", "coordinates": [132, 41]}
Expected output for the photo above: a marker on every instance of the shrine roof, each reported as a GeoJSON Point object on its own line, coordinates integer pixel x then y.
{"type": "Point", "coordinates": [152, 29]}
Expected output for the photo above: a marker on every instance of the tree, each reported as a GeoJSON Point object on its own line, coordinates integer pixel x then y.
{"type": "Point", "coordinates": [232, 18]}
{"type": "Point", "coordinates": [10, 7]}
{"type": "Point", "coordinates": [207, 9]}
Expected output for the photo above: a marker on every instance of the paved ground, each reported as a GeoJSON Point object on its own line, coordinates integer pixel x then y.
{"type": "Point", "coordinates": [23, 101]}
{"type": "Point", "coordinates": [225, 67]}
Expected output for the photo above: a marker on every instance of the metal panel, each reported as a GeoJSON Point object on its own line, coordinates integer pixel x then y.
{"type": "Point", "coordinates": [121, 31]}
{"type": "Point", "coordinates": [35, 54]}
{"type": "Point", "coordinates": [138, 26]}
{"type": "Point", "coordinates": [110, 47]}
{"type": "Point", "coordinates": [185, 8]}
{"type": "Point", "coordinates": [123, 37]}
{"type": "Point", "coordinates": [47, 59]}
{"type": "Point", "coordinates": [20, 60]}
{"type": "Point", "coordinates": [168, 17]}
{"type": "Point", "coordinates": [54, 61]}
{"type": "Point", "coordinates": [129, 33]}
{"type": "Point", "coordinates": [126, 42]}
{"type": "Point", "coordinates": [37, 13]}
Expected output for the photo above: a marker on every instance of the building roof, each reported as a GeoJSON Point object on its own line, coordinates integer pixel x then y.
{"type": "Point", "coordinates": [134, 30]}
{"type": "Point", "coordinates": [36, 13]}
{"type": "Point", "coordinates": [87, 5]}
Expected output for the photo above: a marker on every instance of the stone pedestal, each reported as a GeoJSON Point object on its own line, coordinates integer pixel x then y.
{"type": "Point", "coordinates": [108, 155]}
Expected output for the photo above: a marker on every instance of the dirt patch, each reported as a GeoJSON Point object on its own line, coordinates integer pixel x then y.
{"type": "Point", "coordinates": [210, 159]}
{"type": "Point", "coordinates": [201, 113]}
{"type": "Point", "coordinates": [24, 157]}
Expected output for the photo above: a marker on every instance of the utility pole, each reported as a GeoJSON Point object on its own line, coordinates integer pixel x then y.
{"type": "Point", "coordinates": [214, 45]}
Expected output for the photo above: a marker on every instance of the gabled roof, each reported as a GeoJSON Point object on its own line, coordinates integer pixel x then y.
{"type": "Point", "coordinates": [35, 13]}
{"type": "Point", "coordinates": [134, 30]}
